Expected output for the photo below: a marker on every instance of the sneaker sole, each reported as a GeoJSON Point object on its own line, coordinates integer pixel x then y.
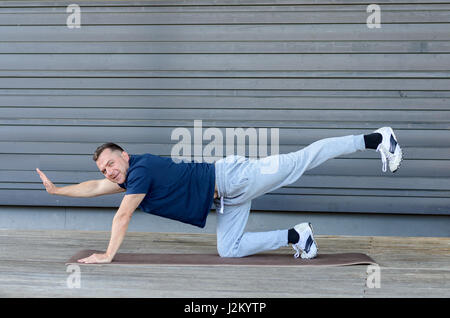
{"type": "Point", "coordinates": [399, 164]}
{"type": "Point", "coordinates": [315, 242]}
{"type": "Point", "coordinates": [401, 153]}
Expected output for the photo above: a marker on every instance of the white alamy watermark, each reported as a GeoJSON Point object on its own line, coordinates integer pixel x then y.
{"type": "Point", "coordinates": [373, 276]}
{"type": "Point", "coordinates": [374, 19]}
{"type": "Point", "coordinates": [190, 148]}
{"type": "Point", "coordinates": [74, 19]}
{"type": "Point", "coordinates": [74, 278]}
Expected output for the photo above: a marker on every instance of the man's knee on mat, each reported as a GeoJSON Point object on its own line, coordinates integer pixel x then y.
{"type": "Point", "coordinates": [226, 249]}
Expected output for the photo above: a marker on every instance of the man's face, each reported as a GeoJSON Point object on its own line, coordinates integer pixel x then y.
{"type": "Point", "coordinates": [114, 165]}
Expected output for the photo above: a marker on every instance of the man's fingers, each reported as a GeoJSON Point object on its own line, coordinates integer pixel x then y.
{"type": "Point", "coordinates": [41, 174]}
{"type": "Point", "coordinates": [90, 259]}
{"type": "Point", "coordinates": [43, 177]}
{"type": "Point", "coordinates": [95, 258]}
{"type": "Point", "coordinates": [49, 186]}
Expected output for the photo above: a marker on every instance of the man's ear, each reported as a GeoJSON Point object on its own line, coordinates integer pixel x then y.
{"type": "Point", "coordinates": [125, 156]}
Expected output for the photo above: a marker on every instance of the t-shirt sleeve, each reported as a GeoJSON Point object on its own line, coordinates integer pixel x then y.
{"type": "Point", "coordinates": [139, 181]}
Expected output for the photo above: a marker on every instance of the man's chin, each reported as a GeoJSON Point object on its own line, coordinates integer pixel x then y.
{"type": "Point", "coordinates": [119, 181]}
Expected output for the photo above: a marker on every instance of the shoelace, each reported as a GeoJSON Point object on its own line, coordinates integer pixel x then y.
{"type": "Point", "coordinates": [297, 250]}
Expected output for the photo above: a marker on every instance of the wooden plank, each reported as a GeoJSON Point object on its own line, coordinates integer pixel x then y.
{"type": "Point", "coordinates": [284, 115]}
{"type": "Point", "coordinates": [149, 7]}
{"type": "Point", "coordinates": [166, 3]}
{"type": "Point", "coordinates": [225, 18]}
{"type": "Point", "coordinates": [281, 47]}
{"type": "Point", "coordinates": [241, 75]}
{"type": "Point", "coordinates": [224, 123]}
{"type": "Point", "coordinates": [232, 83]}
{"type": "Point", "coordinates": [230, 93]}
{"type": "Point", "coordinates": [294, 32]}
{"type": "Point", "coordinates": [235, 62]}
{"type": "Point", "coordinates": [222, 102]}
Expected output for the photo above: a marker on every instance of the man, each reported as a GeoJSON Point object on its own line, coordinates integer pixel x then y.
{"type": "Point", "coordinates": [185, 191]}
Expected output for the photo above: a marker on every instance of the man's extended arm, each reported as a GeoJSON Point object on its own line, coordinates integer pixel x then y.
{"type": "Point", "coordinates": [87, 189]}
{"type": "Point", "coordinates": [119, 227]}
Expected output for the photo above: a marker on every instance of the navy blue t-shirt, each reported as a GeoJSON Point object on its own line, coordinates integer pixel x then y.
{"type": "Point", "coordinates": [180, 191]}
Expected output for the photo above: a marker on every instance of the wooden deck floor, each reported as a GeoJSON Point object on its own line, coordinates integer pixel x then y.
{"type": "Point", "coordinates": [32, 264]}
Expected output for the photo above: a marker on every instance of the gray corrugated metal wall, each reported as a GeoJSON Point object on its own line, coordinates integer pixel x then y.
{"type": "Point", "coordinates": [136, 70]}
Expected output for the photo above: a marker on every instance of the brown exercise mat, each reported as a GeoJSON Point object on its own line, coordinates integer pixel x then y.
{"type": "Point", "coordinates": [215, 260]}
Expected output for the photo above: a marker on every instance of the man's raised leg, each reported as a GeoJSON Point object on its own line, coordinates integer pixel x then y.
{"type": "Point", "coordinates": [270, 173]}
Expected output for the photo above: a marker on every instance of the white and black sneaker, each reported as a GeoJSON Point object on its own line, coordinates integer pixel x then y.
{"type": "Point", "coordinates": [306, 244]}
{"type": "Point", "coordinates": [389, 149]}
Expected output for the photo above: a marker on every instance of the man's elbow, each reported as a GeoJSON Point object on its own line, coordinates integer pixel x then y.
{"type": "Point", "coordinates": [123, 217]}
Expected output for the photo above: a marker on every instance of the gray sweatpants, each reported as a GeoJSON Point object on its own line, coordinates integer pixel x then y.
{"type": "Point", "coordinates": [239, 180]}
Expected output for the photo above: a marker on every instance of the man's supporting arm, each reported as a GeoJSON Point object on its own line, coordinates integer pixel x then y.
{"type": "Point", "coordinates": [119, 227]}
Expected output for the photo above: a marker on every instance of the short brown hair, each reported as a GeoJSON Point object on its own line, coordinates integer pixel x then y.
{"type": "Point", "coordinates": [109, 145]}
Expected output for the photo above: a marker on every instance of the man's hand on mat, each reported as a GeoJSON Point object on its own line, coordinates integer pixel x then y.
{"type": "Point", "coordinates": [96, 258]}
{"type": "Point", "coordinates": [49, 186]}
